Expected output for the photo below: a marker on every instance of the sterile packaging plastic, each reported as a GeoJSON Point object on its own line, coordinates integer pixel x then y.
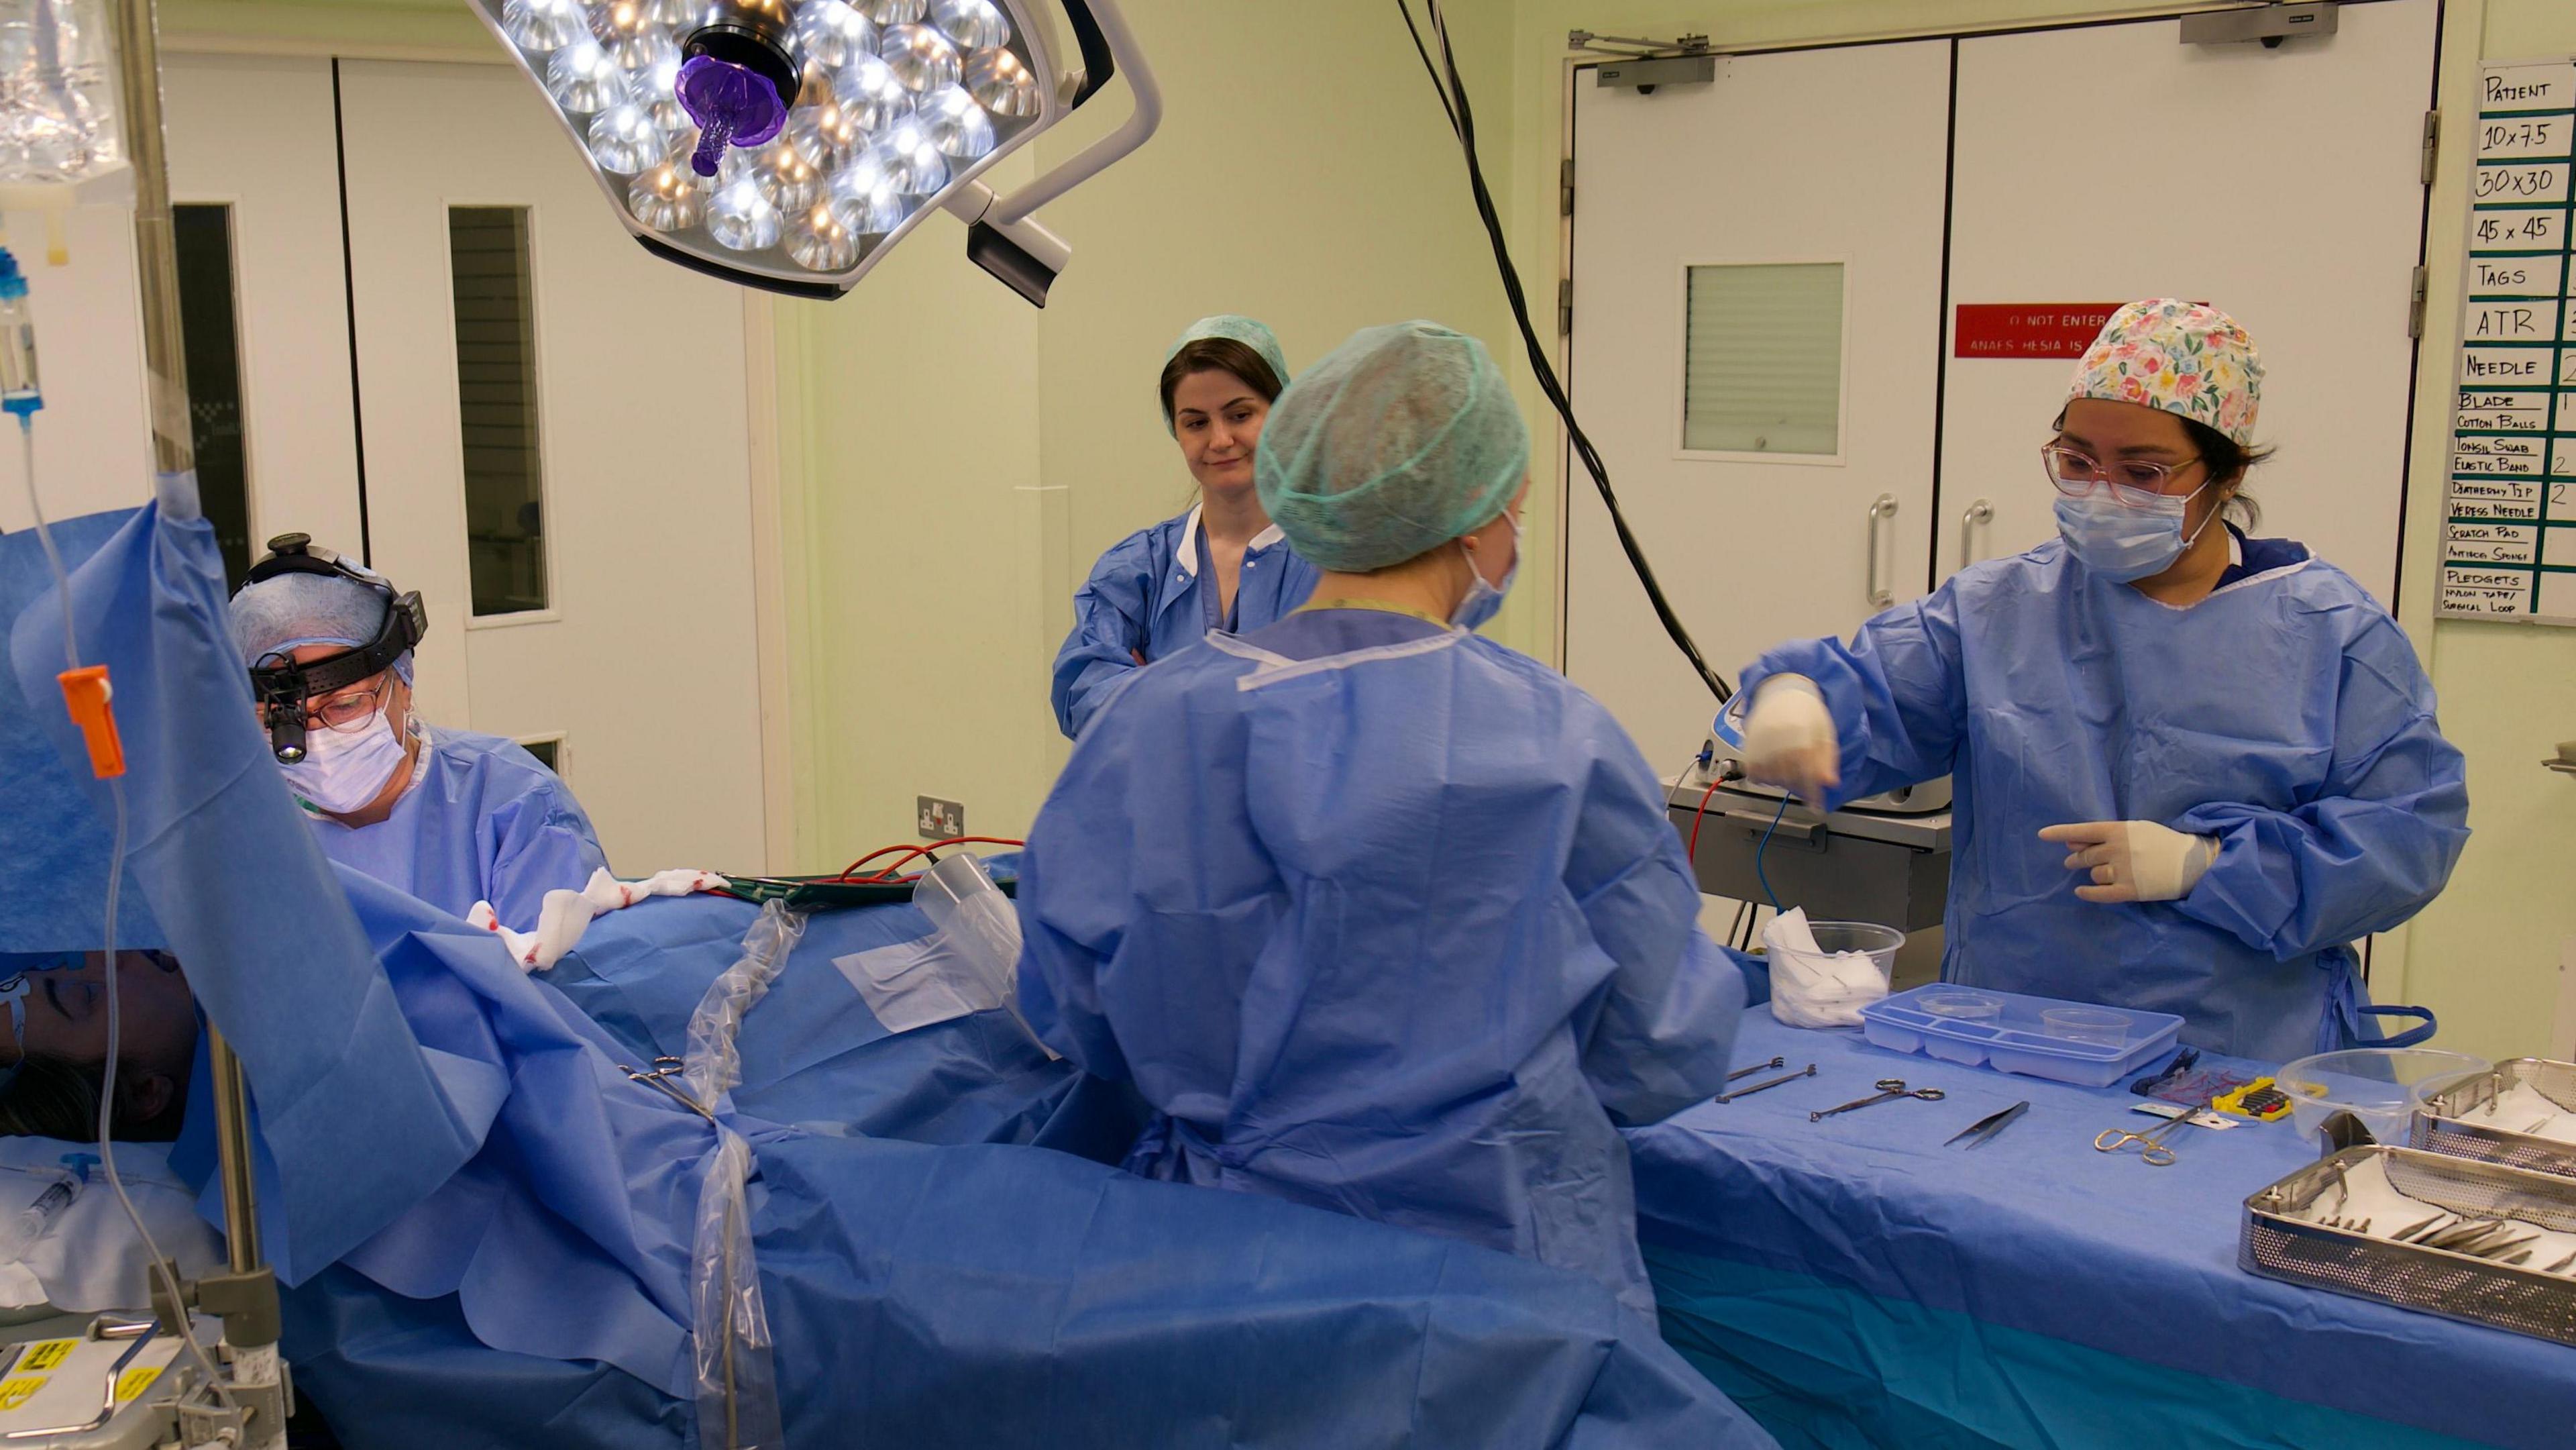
{"type": "Point", "coordinates": [737, 1377]}
{"type": "Point", "coordinates": [1823, 973]}
{"type": "Point", "coordinates": [2378, 1085]}
{"type": "Point", "coordinates": [969, 962]}
{"type": "Point", "coordinates": [2009, 1032]}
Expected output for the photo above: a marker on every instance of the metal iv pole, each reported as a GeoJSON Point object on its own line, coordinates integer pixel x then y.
{"type": "Point", "coordinates": [245, 1295]}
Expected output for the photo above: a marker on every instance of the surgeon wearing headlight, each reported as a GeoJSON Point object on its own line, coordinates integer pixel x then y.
{"type": "Point", "coordinates": [1379, 915]}
{"type": "Point", "coordinates": [2192, 767]}
{"type": "Point", "coordinates": [450, 816]}
{"type": "Point", "coordinates": [1221, 566]}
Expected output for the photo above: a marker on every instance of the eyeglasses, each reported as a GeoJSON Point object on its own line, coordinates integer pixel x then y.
{"type": "Point", "coordinates": [347, 713]}
{"type": "Point", "coordinates": [2133, 481]}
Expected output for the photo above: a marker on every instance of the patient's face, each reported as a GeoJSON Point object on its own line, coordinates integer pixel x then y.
{"type": "Point", "coordinates": [66, 1013]}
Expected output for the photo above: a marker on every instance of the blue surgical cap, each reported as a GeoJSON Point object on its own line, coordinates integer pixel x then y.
{"type": "Point", "coordinates": [1254, 335]}
{"type": "Point", "coordinates": [294, 610]}
{"type": "Point", "coordinates": [1398, 441]}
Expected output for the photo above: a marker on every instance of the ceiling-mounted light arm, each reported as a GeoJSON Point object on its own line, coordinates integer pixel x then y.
{"type": "Point", "coordinates": [1129, 58]}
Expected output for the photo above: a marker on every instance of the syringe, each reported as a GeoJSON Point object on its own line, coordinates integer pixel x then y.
{"type": "Point", "coordinates": [19, 1233]}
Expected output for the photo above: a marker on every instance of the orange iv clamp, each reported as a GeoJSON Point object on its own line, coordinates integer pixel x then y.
{"type": "Point", "coordinates": [86, 692]}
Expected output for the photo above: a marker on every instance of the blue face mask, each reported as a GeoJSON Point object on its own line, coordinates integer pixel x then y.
{"type": "Point", "coordinates": [1485, 600]}
{"type": "Point", "coordinates": [2120, 543]}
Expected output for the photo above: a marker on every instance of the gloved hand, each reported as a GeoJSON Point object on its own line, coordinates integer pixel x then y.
{"type": "Point", "coordinates": [2134, 860]}
{"type": "Point", "coordinates": [1789, 739]}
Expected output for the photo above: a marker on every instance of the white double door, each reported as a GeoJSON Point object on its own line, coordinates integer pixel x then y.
{"type": "Point", "coordinates": [640, 665]}
{"type": "Point", "coordinates": [2091, 164]}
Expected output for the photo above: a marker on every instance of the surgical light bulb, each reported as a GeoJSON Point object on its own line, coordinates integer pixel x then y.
{"type": "Point", "coordinates": [955, 124]}
{"type": "Point", "coordinates": [674, 12]}
{"type": "Point", "coordinates": [824, 135]}
{"type": "Point", "coordinates": [787, 179]}
{"type": "Point", "coordinates": [819, 241]}
{"type": "Point", "coordinates": [1000, 82]}
{"type": "Point", "coordinates": [646, 52]}
{"type": "Point", "coordinates": [921, 57]}
{"type": "Point", "coordinates": [871, 94]}
{"type": "Point", "coordinates": [625, 140]}
{"type": "Point", "coordinates": [973, 24]}
{"type": "Point", "coordinates": [864, 198]}
{"type": "Point", "coordinates": [541, 26]}
{"type": "Point", "coordinates": [668, 198]}
{"type": "Point", "coordinates": [911, 161]}
{"type": "Point", "coordinates": [895, 12]}
{"type": "Point", "coordinates": [830, 34]}
{"type": "Point", "coordinates": [741, 216]}
{"type": "Point", "coordinates": [584, 79]}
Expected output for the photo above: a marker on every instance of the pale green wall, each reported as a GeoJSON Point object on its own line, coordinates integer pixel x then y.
{"type": "Point", "coordinates": [955, 460]}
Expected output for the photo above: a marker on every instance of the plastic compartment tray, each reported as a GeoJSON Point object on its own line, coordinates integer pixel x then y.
{"type": "Point", "coordinates": [2450, 1121]}
{"type": "Point", "coordinates": [2523, 1300]}
{"type": "Point", "coordinates": [2014, 1040]}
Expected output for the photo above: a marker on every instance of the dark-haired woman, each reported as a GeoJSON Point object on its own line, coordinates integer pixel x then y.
{"type": "Point", "coordinates": [2191, 766]}
{"type": "Point", "coordinates": [1222, 565]}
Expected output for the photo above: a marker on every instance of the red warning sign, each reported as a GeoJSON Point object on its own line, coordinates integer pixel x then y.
{"type": "Point", "coordinates": [2028, 329]}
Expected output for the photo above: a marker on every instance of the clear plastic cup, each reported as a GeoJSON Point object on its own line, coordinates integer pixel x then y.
{"type": "Point", "coordinates": [2097, 1025]}
{"type": "Point", "coordinates": [1878, 943]}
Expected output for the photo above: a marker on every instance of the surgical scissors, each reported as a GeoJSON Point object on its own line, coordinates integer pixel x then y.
{"type": "Point", "coordinates": [1889, 1088]}
{"type": "Point", "coordinates": [2112, 1140]}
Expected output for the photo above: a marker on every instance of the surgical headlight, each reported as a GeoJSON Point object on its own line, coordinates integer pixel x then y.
{"type": "Point", "coordinates": [282, 686]}
{"type": "Point", "coordinates": [787, 144]}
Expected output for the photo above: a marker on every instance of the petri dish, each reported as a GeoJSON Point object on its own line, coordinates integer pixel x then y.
{"type": "Point", "coordinates": [2098, 1025]}
{"type": "Point", "coordinates": [1959, 1006]}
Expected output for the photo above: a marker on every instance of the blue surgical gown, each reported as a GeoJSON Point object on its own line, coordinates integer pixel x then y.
{"type": "Point", "coordinates": [487, 822]}
{"type": "Point", "coordinates": [1145, 596]}
{"type": "Point", "coordinates": [2285, 715]}
{"type": "Point", "coordinates": [1381, 917]}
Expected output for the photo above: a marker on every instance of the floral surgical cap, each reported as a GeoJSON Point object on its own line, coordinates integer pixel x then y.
{"type": "Point", "coordinates": [2188, 359]}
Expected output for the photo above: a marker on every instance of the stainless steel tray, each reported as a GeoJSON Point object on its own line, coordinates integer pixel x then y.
{"type": "Point", "coordinates": [2435, 1281]}
{"type": "Point", "coordinates": [2453, 1120]}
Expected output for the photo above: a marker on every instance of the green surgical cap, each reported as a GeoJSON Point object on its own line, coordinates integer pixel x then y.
{"type": "Point", "coordinates": [1401, 439]}
{"type": "Point", "coordinates": [1254, 335]}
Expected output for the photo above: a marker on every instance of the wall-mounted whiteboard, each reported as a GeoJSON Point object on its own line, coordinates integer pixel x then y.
{"type": "Point", "coordinates": [2509, 530]}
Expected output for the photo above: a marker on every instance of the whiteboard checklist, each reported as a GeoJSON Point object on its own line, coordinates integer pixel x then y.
{"type": "Point", "coordinates": [2509, 531]}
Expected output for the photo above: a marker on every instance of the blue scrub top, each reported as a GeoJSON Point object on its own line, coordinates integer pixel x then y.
{"type": "Point", "coordinates": [1145, 597]}
{"type": "Point", "coordinates": [2286, 715]}
{"type": "Point", "coordinates": [485, 822]}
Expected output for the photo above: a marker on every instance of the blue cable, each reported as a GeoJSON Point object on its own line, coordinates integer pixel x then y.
{"type": "Point", "coordinates": [1758, 873]}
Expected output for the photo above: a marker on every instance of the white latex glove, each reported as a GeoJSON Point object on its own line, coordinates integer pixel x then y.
{"type": "Point", "coordinates": [2134, 860]}
{"type": "Point", "coordinates": [1789, 739]}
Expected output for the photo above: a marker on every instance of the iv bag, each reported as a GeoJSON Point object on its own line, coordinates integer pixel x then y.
{"type": "Point", "coordinates": [60, 119]}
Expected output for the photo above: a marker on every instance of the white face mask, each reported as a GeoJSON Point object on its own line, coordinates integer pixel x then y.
{"type": "Point", "coordinates": [1484, 600]}
{"type": "Point", "coordinates": [344, 770]}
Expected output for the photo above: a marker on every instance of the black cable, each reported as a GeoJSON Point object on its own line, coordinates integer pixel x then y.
{"type": "Point", "coordinates": [1462, 121]}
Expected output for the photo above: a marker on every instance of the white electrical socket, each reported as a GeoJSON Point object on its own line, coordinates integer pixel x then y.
{"type": "Point", "coordinates": [940, 820]}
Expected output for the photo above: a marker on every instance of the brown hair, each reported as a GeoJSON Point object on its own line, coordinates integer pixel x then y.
{"type": "Point", "coordinates": [1218, 355]}
{"type": "Point", "coordinates": [54, 1097]}
{"type": "Point", "coordinates": [2228, 462]}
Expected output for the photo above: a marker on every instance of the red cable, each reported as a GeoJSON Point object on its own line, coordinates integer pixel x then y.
{"type": "Point", "coordinates": [1697, 819]}
{"type": "Point", "coordinates": [909, 852]}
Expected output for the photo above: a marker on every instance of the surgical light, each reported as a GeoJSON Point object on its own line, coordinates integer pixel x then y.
{"type": "Point", "coordinates": [788, 144]}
